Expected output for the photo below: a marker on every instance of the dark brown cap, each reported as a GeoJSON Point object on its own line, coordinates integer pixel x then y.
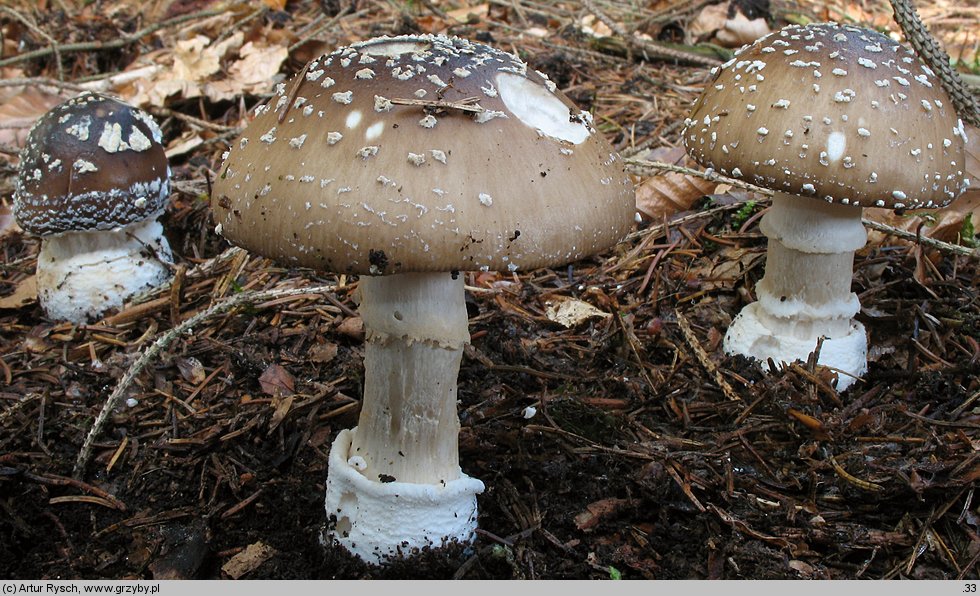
{"type": "Point", "coordinates": [422, 153]}
{"type": "Point", "coordinates": [91, 163]}
{"type": "Point", "coordinates": [833, 112]}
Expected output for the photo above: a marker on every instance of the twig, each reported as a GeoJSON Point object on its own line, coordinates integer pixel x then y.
{"type": "Point", "coordinates": [309, 32]}
{"type": "Point", "coordinates": [107, 45]}
{"type": "Point", "coordinates": [467, 104]}
{"type": "Point", "coordinates": [34, 27]}
{"type": "Point", "coordinates": [54, 480]}
{"type": "Point", "coordinates": [704, 359]}
{"type": "Point", "coordinates": [646, 47]}
{"type": "Point", "coordinates": [643, 165]}
{"type": "Point", "coordinates": [41, 82]}
{"type": "Point", "coordinates": [966, 251]}
{"type": "Point", "coordinates": [165, 340]}
{"type": "Point", "coordinates": [862, 484]}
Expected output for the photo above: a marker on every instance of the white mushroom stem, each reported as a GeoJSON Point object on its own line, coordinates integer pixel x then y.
{"type": "Point", "coordinates": [81, 275]}
{"type": "Point", "coordinates": [416, 325]}
{"type": "Point", "coordinates": [393, 483]}
{"type": "Point", "coordinates": [805, 293]}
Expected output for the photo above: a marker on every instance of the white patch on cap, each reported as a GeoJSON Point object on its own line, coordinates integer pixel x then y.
{"type": "Point", "coordinates": [537, 108]}
{"type": "Point", "coordinates": [382, 104]}
{"type": "Point", "coordinates": [138, 141]}
{"type": "Point", "coordinates": [333, 137]}
{"type": "Point", "coordinates": [111, 138]}
{"type": "Point", "coordinates": [353, 119]}
{"type": "Point", "coordinates": [374, 131]}
{"type": "Point", "coordinates": [393, 49]}
{"type": "Point", "coordinates": [80, 129]}
{"type": "Point", "coordinates": [83, 165]}
{"type": "Point", "coordinates": [485, 199]}
{"type": "Point", "coordinates": [836, 144]}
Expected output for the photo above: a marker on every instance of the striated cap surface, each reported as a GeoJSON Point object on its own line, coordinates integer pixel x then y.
{"type": "Point", "coordinates": [91, 163]}
{"type": "Point", "coordinates": [834, 112]}
{"type": "Point", "coordinates": [422, 153]}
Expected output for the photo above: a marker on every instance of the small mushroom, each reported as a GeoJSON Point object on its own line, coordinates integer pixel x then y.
{"type": "Point", "coordinates": [833, 119]}
{"type": "Point", "coordinates": [405, 160]}
{"type": "Point", "coordinates": [92, 180]}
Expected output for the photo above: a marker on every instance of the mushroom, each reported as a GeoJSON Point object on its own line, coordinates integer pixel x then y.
{"type": "Point", "coordinates": [92, 180]}
{"type": "Point", "coordinates": [833, 119]}
{"type": "Point", "coordinates": [406, 160]}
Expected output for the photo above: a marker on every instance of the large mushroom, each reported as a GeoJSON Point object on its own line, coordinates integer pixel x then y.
{"type": "Point", "coordinates": [833, 119]}
{"type": "Point", "coordinates": [406, 160]}
{"type": "Point", "coordinates": [92, 180]}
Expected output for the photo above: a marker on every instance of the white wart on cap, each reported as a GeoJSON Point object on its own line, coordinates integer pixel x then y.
{"type": "Point", "coordinates": [91, 163]}
{"type": "Point", "coordinates": [833, 112]}
{"type": "Point", "coordinates": [422, 153]}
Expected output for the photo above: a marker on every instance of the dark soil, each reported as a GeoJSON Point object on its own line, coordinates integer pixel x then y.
{"type": "Point", "coordinates": [652, 454]}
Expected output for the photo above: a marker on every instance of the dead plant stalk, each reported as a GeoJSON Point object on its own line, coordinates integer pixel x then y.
{"type": "Point", "coordinates": [165, 340]}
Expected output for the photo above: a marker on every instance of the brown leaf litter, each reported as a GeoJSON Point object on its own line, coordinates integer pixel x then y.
{"type": "Point", "coordinates": [613, 435]}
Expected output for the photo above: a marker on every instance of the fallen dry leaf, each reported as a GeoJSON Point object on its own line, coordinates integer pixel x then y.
{"type": "Point", "coordinates": [258, 64]}
{"type": "Point", "coordinates": [8, 223]}
{"type": "Point", "coordinates": [277, 381]}
{"type": "Point", "coordinates": [185, 144]}
{"type": "Point", "coordinates": [280, 407]}
{"type": "Point", "coordinates": [714, 24]}
{"type": "Point", "coordinates": [570, 311]}
{"type": "Point", "coordinates": [19, 113]}
{"type": "Point", "coordinates": [191, 65]}
{"type": "Point", "coordinates": [591, 25]}
{"type": "Point", "coordinates": [467, 14]}
{"type": "Point", "coordinates": [727, 268]}
{"type": "Point", "coordinates": [352, 327]}
{"type": "Point", "coordinates": [597, 511]}
{"type": "Point", "coordinates": [739, 31]}
{"type": "Point", "coordinates": [323, 353]}
{"type": "Point", "coordinates": [669, 193]}
{"type": "Point", "coordinates": [192, 370]}
{"type": "Point", "coordinates": [709, 21]}
{"type": "Point", "coordinates": [248, 560]}
{"type": "Point", "coordinates": [24, 293]}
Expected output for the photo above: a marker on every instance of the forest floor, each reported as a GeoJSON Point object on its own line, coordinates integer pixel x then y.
{"type": "Point", "coordinates": [652, 453]}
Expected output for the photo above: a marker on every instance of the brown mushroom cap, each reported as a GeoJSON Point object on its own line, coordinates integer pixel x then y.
{"type": "Point", "coordinates": [91, 163]}
{"type": "Point", "coordinates": [422, 153]}
{"type": "Point", "coordinates": [834, 112]}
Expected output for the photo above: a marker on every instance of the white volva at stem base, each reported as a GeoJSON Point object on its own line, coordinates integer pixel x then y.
{"type": "Point", "coordinates": [395, 484]}
{"type": "Point", "coordinates": [81, 275]}
{"type": "Point", "coordinates": [805, 293]}
{"type": "Point", "coordinates": [379, 521]}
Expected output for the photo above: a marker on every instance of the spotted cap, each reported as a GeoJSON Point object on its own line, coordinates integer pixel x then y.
{"type": "Point", "coordinates": [91, 163]}
{"type": "Point", "coordinates": [833, 112]}
{"type": "Point", "coordinates": [422, 153]}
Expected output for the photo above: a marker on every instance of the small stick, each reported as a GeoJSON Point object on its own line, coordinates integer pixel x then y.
{"type": "Point", "coordinates": [108, 45]}
{"type": "Point", "coordinates": [642, 164]}
{"type": "Point", "coordinates": [467, 104]}
{"type": "Point", "coordinates": [862, 484]}
{"type": "Point", "coordinates": [704, 359]}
